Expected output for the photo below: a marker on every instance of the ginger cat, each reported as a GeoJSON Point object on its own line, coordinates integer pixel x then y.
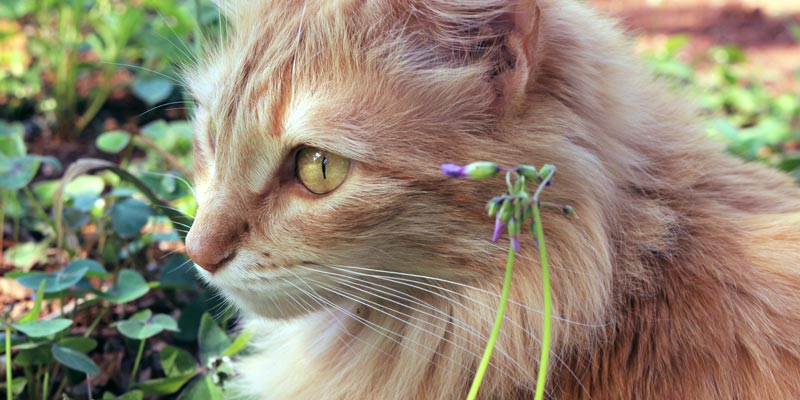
{"type": "Point", "coordinates": [367, 274]}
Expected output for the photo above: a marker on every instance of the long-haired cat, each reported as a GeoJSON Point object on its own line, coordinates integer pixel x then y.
{"type": "Point", "coordinates": [367, 274]}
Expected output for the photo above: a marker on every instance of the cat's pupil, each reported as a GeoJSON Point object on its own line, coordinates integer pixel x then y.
{"type": "Point", "coordinates": [324, 166]}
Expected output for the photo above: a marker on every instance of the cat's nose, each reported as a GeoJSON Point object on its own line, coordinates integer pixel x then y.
{"type": "Point", "coordinates": [212, 244]}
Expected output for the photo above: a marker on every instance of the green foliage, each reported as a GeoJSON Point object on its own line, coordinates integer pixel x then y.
{"type": "Point", "coordinates": [94, 41]}
{"type": "Point", "coordinates": [754, 121]}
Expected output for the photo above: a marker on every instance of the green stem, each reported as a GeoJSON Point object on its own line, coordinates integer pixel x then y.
{"type": "Point", "coordinates": [546, 328]}
{"type": "Point", "coordinates": [60, 389]}
{"type": "Point", "coordinates": [136, 363]}
{"type": "Point", "coordinates": [46, 384]}
{"type": "Point", "coordinates": [501, 311]}
{"type": "Point", "coordinates": [9, 385]}
{"type": "Point", "coordinates": [2, 223]}
{"type": "Point", "coordinates": [37, 207]}
{"type": "Point", "coordinates": [96, 321]}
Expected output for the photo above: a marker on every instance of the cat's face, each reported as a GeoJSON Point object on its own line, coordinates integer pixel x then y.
{"type": "Point", "coordinates": [318, 138]}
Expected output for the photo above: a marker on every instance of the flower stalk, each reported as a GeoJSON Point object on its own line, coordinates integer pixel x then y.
{"type": "Point", "coordinates": [513, 210]}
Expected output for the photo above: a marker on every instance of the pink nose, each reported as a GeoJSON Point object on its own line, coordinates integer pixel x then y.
{"type": "Point", "coordinates": [212, 244]}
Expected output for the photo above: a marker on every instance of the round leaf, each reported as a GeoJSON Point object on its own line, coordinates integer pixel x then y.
{"type": "Point", "coordinates": [152, 90]}
{"type": "Point", "coordinates": [166, 322]}
{"type": "Point", "coordinates": [129, 216]}
{"type": "Point", "coordinates": [130, 286]}
{"type": "Point", "coordinates": [113, 142]}
{"type": "Point", "coordinates": [202, 388]}
{"type": "Point", "coordinates": [93, 268]}
{"type": "Point", "coordinates": [80, 343]}
{"type": "Point", "coordinates": [138, 330]}
{"type": "Point", "coordinates": [74, 359]}
{"type": "Point", "coordinates": [164, 386]}
{"type": "Point", "coordinates": [213, 340]}
{"type": "Point", "coordinates": [177, 362]}
{"type": "Point", "coordinates": [43, 328]}
{"type": "Point", "coordinates": [55, 281]}
{"type": "Point", "coordinates": [19, 172]}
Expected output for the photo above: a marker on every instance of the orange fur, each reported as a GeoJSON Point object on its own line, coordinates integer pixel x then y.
{"type": "Point", "coordinates": [679, 279]}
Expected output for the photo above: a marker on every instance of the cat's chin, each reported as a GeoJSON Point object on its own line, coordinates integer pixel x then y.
{"type": "Point", "coordinates": [281, 296]}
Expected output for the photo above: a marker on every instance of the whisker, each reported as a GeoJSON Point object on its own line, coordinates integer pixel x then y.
{"type": "Point", "coordinates": [162, 106]}
{"type": "Point", "coordinates": [381, 331]}
{"type": "Point", "coordinates": [512, 301]}
{"type": "Point", "coordinates": [470, 329]}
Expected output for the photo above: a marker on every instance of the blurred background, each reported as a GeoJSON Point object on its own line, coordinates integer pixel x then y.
{"type": "Point", "coordinates": [96, 292]}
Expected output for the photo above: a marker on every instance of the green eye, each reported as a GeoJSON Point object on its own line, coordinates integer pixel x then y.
{"type": "Point", "coordinates": [319, 170]}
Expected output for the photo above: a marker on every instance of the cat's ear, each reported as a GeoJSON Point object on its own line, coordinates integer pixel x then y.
{"type": "Point", "coordinates": [502, 35]}
{"type": "Point", "coordinates": [522, 48]}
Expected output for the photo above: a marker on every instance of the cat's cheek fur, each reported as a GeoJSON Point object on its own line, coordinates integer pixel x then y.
{"type": "Point", "coordinates": [678, 279]}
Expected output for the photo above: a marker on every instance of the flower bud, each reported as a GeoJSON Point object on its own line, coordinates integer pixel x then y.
{"type": "Point", "coordinates": [513, 233]}
{"type": "Point", "coordinates": [527, 213]}
{"type": "Point", "coordinates": [568, 210]}
{"type": "Point", "coordinates": [533, 233]}
{"type": "Point", "coordinates": [529, 172]}
{"type": "Point", "coordinates": [453, 170]}
{"type": "Point", "coordinates": [547, 170]}
{"type": "Point", "coordinates": [493, 206]}
{"type": "Point", "coordinates": [481, 170]}
{"type": "Point", "coordinates": [506, 211]}
{"type": "Point", "coordinates": [498, 229]}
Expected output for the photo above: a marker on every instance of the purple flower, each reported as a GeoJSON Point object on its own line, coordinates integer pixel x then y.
{"type": "Point", "coordinates": [515, 243]}
{"type": "Point", "coordinates": [453, 170]}
{"type": "Point", "coordinates": [498, 228]}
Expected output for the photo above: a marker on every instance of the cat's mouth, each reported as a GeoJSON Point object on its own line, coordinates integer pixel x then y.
{"type": "Point", "coordinates": [279, 293]}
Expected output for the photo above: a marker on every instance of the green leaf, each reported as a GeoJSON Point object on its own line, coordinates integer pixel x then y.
{"type": "Point", "coordinates": [138, 330]}
{"type": "Point", "coordinates": [113, 141]}
{"type": "Point", "coordinates": [33, 314]}
{"type": "Point", "coordinates": [17, 386]}
{"type": "Point", "coordinates": [177, 362]}
{"type": "Point", "coordinates": [129, 216]}
{"type": "Point", "coordinates": [40, 355]}
{"type": "Point", "coordinates": [213, 340]}
{"type": "Point", "coordinates": [93, 268]}
{"type": "Point", "coordinates": [202, 388]}
{"type": "Point", "coordinates": [239, 343]}
{"type": "Point", "coordinates": [130, 286]}
{"type": "Point", "coordinates": [76, 360]}
{"type": "Point", "coordinates": [166, 322]}
{"type": "Point", "coordinates": [140, 326]}
{"type": "Point", "coordinates": [19, 172]}
{"type": "Point", "coordinates": [79, 343]}
{"type": "Point", "coordinates": [177, 273]}
{"type": "Point", "coordinates": [43, 328]}
{"type": "Point", "coordinates": [11, 128]}
{"type": "Point", "coordinates": [141, 316]}
{"type": "Point", "coordinates": [152, 90]}
{"type": "Point", "coordinates": [132, 395]}
{"type": "Point", "coordinates": [164, 386]}
{"type": "Point", "coordinates": [54, 281]}
{"type": "Point", "coordinates": [25, 255]}
{"type": "Point", "coordinates": [85, 185]}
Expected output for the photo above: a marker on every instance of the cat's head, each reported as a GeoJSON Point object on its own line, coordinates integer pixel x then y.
{"type": "Point", "coordinates": [319, 134]}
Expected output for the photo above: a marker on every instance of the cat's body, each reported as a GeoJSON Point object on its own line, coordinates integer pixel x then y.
{"type": "Point", "coordinates": [680, 278]}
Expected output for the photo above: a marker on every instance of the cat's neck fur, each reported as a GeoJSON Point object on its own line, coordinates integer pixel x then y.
{"type": "Point", "coordinates": [672, 291]}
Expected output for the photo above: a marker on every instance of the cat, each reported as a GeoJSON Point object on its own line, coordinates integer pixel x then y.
{"type": "Point", "coordinates": [367, 274]}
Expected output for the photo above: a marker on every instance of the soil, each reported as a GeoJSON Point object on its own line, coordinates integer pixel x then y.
{"type": "Point", "coordinates": [763, 28]}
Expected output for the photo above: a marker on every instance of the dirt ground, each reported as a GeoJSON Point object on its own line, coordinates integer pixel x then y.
{"type": "Point", "coordinates": [762, 27]}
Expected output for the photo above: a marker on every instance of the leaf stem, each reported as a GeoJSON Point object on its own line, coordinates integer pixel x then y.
{"type": "Point", "coordinates": [9, 384]}
{"type": "Point", "coordinates": [96, 321]}
{"type": "Point", "coordinates": [136, 363]}
{"type": "Point", "coordinates": [547, 318]}
{"type": "Point", "coordinates": [501, 311]}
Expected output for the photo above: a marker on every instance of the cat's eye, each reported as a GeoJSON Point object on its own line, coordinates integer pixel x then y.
{"type": "Point", "coordinates": [319, 170]}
